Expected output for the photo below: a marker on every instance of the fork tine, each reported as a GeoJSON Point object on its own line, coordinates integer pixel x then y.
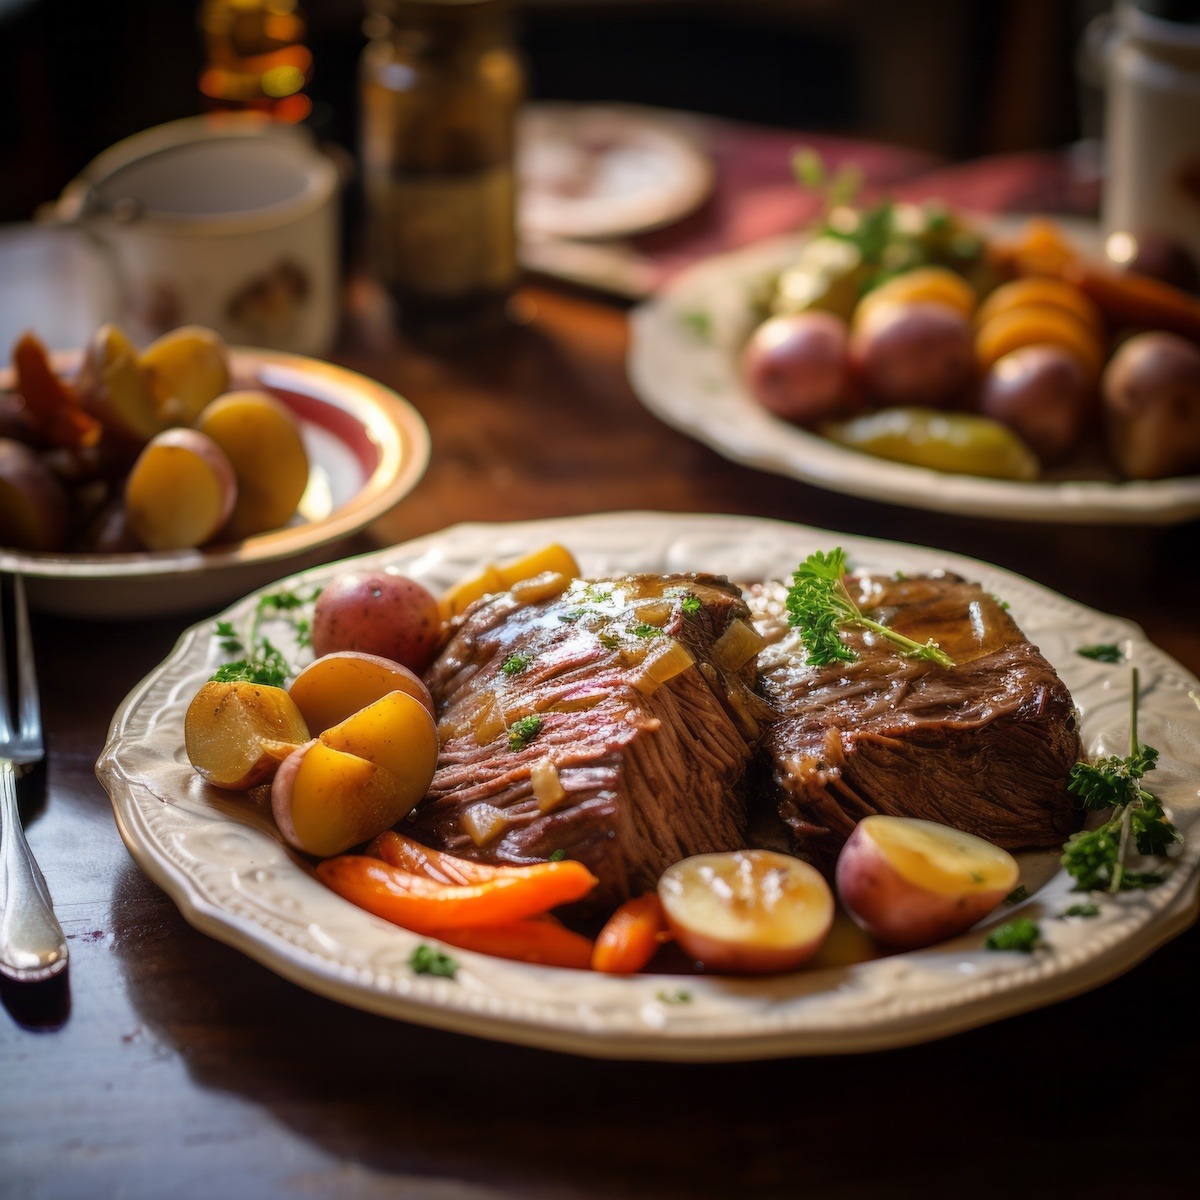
{"type": "Point", "coordinates": [6, 732]}
{"type": "Point", "coordinates": [29, 711]}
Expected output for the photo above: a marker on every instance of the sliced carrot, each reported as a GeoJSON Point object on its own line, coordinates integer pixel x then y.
{"type": "Point", "coordinates": [427, 906]}
{"type": "Point", "coordinates": [410, 855]}
{"type": "Point", "coordinates": [630, 936]}
{"type": "Point", "coordinates": [534, 940]}
{"type": "Point", "coordinates": [1127, 298]}
{"type": "Point", "coordinates": [52, 407]}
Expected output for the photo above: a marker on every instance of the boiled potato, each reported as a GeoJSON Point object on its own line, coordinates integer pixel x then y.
{"type": "Point", "coordinates": [797, 366]}
{"type": "Point", "coordinates": [1151, 395]}
{"type": "Point", "coordinates": [262, 440]}
{"type": "Point", "coordinates": [33, 504]}
{"type": "Point", "coordinates": [187, 368]}
{"type": "Point", "coordinates": [747, 911]}
{"type": "Point", "coordinates": [914, 353]}
{"type": "Point", "coordinates": [378, 612]}
{"type": "Point", "coordinates": [1043, 393]}
{"type": "Point", "coordinates": [180, 491]}
{"type": "Point", "coordinates": [115, 388]}
{"type": "Point", "coordinates": [236, 733]}
{"type": "Point", "coordinates": [357, 778]}
{"type": "Point", "coordinates": [337, 685]}
{"type": "Point", "coordinates": [910, 882]}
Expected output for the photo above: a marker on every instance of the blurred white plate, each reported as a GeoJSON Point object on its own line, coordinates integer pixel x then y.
{"type": "Point", "coordinates": [367, 448]}
{"type": "Point", "coordinates": [220, 859]}
{"type": "Point", "coordinates": [596, 171]}
{"type": "Point", "coordinates": [683, 363]}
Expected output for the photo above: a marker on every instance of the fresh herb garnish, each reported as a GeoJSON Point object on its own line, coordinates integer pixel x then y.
{"type": "Point", "coordinates": [523, 731]}
{"type": "Point", "coordinates": [1017, 895]}
{"type": "Point", "coordinates": [1106, 652]}
{"type": "Point", "coordinates": [647, 631]}
{"type": "Point", "coordinates": [258, 659]}
{"type": "Point", "coordinates": [820, 607]}
{"type": "Point", "coordinates": [678, 996]}
{"type": "Point", "coordinates": [514, 664]}
{"type": "Point", "coordinates": [1095, 858]}
{"type": "Point", "coordinates": [690, 605]}
{"type": "Point", "coordinates": [699, 322]}
{"type": "Point", "coordinates": [556, 855]}
{"type": "Point", "coordinates": [1022, 934]}
{"type": "Point", "coordinates": [425, 960]}
{"type": "Point", "coordinates": [1088, 909]}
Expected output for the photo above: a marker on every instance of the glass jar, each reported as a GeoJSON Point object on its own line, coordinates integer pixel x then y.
{"type": "Point", "coordinates": [441, 85]}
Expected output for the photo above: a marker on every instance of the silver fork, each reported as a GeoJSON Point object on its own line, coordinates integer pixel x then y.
{"type": "Point", "coordinates": [32, 946]}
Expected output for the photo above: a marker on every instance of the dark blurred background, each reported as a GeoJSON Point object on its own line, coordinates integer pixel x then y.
{"type": "Point", "coordinates": [957, 77]}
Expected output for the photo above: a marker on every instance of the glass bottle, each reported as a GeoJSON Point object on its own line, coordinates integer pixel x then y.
{"type": "Point", "coordinates": [255, 57]}
{"type": "Point", "coordinates": [441, 84]}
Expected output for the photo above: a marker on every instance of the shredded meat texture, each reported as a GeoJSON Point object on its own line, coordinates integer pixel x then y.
{"type": "Point", "coordinates": [984, 746]}
{"type": "Point", "coordinates": [651, 769]}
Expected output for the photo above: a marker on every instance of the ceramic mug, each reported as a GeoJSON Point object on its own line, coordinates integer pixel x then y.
{"type": "Point", "coordinates": [225, 221]}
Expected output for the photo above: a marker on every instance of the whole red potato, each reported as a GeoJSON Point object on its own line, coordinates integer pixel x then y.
{"type": "Point", "coordinates": [914, 353]}
{"type": "Point", "coordinates": [1041, 392]}
{"type": "Point", "coordinates": [378, 612]}
{"type": "Point", "coordinates": [797, 366]}
{"type": "Point", "coordinates": [1151, 394]}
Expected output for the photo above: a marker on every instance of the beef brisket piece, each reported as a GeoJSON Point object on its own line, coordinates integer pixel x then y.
{"type": "Point", "coordinates": [984, 746]}
{"type": "Point", "coordinates": [612, 721]}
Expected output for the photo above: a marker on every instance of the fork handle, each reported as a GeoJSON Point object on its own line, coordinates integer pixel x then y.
{"type": "Point", "coordinates": [32, 946]}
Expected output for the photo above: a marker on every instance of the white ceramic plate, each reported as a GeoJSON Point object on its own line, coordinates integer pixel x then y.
{"type": "Point", "coordinates": [367, 446]}
{"type": "Point", "coordinates": [683, 364]}
{"type": "Point", "coordinates": [219, 859]}
{"type": "Point", "coordinates": [594, 171]}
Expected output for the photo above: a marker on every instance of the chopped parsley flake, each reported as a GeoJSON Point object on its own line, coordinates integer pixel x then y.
{"type": "Point", "coordinates": [522, 732]}
{"type": "Point", "coordinates": [425, 960]}
{"type": "Point", "coordinates": [1088, 909]}
{"type": "Point", "coordinates": [1105, 652]}
{"type": "Point", "coordinates": [1017, 895]}
{"type": "Point", "coordinates": [514, 664]}
{"type": "Point", "coordinates": [556, 855]}
{"type": "Point", "coordinates": [690, 605]}
{"type": "Point", "coordinates": [647, 631]}
{"type": "Point", "coordinates": [1022, 934]}
{"type": "Point", "coordinates": [678, 996]}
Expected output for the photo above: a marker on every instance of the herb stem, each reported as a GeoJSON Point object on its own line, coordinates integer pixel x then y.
{"type": "Point", "coordinates": [908, 647]}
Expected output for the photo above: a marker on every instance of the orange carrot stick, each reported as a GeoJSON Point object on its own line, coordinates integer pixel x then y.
{"type": "Point", "coordinates": [52, 408]}
{"type": "Point", "coordinates": [630, 936]}
{"type": "Point", "coordinates": [1127, 298]}
{"type": "Point", "coordinates": [410, 855]}
{"type": "Point", "coordinates": [427, 906]}
{"type": "Point", "coordinates": [540, 940]}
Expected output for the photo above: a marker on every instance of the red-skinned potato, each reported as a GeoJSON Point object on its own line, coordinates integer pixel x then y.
{"type": "Point", "coordinates": [237, 732]}
{"type": "Point", "coordinates": [1151, 394]}
{"type": "Point", "coordinates": [911, 883]}
{"type": "Point", "coordinates": [1042, 392]}
{"type": "Point", "coordinates": [358, 778]}
{"type": "Point", "coordinates": [914, 353]}
{"type": "Point", "coordinates": [797, 366]}
{"type": "Point", "coordinates": [33, 504]}
{"type": "Point", "coordinates": [337, 685]}
{"type": "Point", "coordinates": [747, 911]}
{"type": "Point", "coordinates": [378, 612]}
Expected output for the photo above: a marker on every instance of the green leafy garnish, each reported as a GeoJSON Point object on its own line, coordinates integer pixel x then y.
{"type": "Point", "coordinates": [678, 996]}
{"type": "Point", "coordinates": [258, 659]}
{"type": "Point", "coordinates": [556, 855]}
{"type": "Point", "coordinates": [1106, 652]}
{"type": "Point", "coordinates": [425, 960]}
{"type": "Point", "coordinates": [1088, 909]}
{"type": "Point", "coordinates": [1022, 934]}
{"type": "Point", "coordinates": [522, 732]}
{"type": "Point", "coordinates": [820, 607]}
{"type": "Point", "coordinates": [1095, 858]}
{"type": "Point", "coordinates": [1017, 895]}
{"type": "Point", "coordinates": [643, 630]}
{"type": "Point", "coordinates": [514, 664]}
{"type": "Point", "coordinates": [699, 322]}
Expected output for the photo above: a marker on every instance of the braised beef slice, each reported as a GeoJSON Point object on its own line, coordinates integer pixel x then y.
{"type": "Point", "coordinates": [651, 771]}
{"type": "Point", "coordinates": [984, 746]}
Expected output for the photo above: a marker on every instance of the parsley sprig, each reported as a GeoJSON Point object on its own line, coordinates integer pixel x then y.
{"type": "Point", "coordinates": [258, 659]}
{"type": "Point", "coordinates": [820, 607]}
{"type": "Point", "coordinates": [1096, 858]}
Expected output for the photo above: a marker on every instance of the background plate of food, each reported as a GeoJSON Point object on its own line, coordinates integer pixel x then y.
{"type": "Point", "coordinates": [225, 860]}
{"type": "Point", "coordinates": [991, 369]}
{"type": "Point", "coordinates": [117, 503]}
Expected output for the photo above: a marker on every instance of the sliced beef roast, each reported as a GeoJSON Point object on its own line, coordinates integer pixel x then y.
{"type": "Point", "coordinates": [610, 720]}
{"type": "Point", "coordinates": [984, 746]}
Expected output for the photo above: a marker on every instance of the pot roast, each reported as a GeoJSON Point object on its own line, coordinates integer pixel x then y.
{"type": "Point", "coordinates": [984, 746]}
{"type": "Point", "coordinates": [611, 721]}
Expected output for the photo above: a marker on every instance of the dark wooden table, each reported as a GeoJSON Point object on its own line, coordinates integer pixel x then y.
{"type": "Point", "coordinates": [167, 1064]}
